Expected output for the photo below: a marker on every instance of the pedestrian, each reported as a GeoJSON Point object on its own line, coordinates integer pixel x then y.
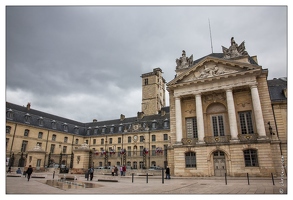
{"type": "Point", "coordinates": [167, 172]}
{"type": "Point", "coordinates": [9, 169]}
{"type": "Point", "coordinates": [116, 171]}
{"type": "Point", "coordinates": [121, 170]}
{"type": "Point", "coordinates": [124, 170]}
{"type": "Point", "coordinates": [91, 173]}
{"type": "Point", "coordinates": [18, 171]}
{"type": "Point", "coordinates": [29, 172]}
{"type": "Point", "coordinates": [113, 168]}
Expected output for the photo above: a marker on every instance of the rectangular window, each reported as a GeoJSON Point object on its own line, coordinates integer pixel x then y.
{"type": "Point", "coordinates": [141, 150]}
{"type": "Point", "coordinates": [190, 160]}
{"type": "Point", "coordinates": [141, 138]}
{"type": "Point", "coordinates": [110, 141]}
{"type": "Point", "coordinates": [129, 139]}
{"type": "Point", "coordinates": [153, 150]}
{"type": "Point", "coordinates": [165, 137]}
{"type": "Point", "coordinates": [250, 158]}
{"type": "Point", "coordinates": [246, 122]}
{"type": "Point", "coordinates": [146, 81]}
{"type": "Point", "coordinates": [39, 144]}
{"type": "Point", "coordinates": [128, 151]}
{"type": "Point", "coordinates": [26, 132]}
{"type": "Point", "coordinates": [40, 135]}
{"type": "Point", "coordinates": [64, 149]}
{"type": "Point", "coordinates": [76, 141]}
{"type": "Point", "coordinates": [53, 137]}
{"type": "Point", "coordinates": [94, 141]}
{"type": "Point", "coordinates": [8, 129]}
{"type": "Point", "coordinates": [191, 127]}
{"type": "Point", "coordinates": [119, 140]}
{"type": "Point", "coordinates": [218, 125]}
{"type": "Point", "coordinates": [23, 146]}
{"type": "Point", "coordinates": [102, 141]}
{"type": "Point", "coordinates": [65, 139]}
{"type": "Point", "coordinates": [52, 149]}
{"type": "Point", "coordinates": [153, 138]}
{"type": "Point", "coordinates": [39, 162]}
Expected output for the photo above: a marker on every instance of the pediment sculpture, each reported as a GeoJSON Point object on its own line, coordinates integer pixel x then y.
{"type": "Point", "coordinates": [234, 50]}
{"type": "Point", "coordinates": [184, 62]}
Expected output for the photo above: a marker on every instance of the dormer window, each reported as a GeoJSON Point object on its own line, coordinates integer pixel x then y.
{"type": "Point", "coordinates": [53, 124]}
{"type": "Point", "coordinates": [112, 128]}
{"type": "Point", "coordinates": [154, 124]}
{"type": "Point", "coordinates": [41, 121]}
{"type": "Point", "coordinates": [9, 114]}
{"type": "Point", "coordinates": [96, 130]}
{"type": "Point", "coordinates": [88, 131]}
{"type": "Point", "coordinates": [76, 130]}
{"type": "Point", "coordinates": [104, 129]}
{"type": "Point", "coordinates": [65, 127]}
{"type": "Point", "coordinates": [120, 128]}
{"type": "Point", "coordinates": [166, 123]}
{"type": "Point", "coordinates": [27, 118]}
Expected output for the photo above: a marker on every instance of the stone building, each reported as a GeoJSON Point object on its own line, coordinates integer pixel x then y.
{"type": "Point", "coordinates": [224, 116]}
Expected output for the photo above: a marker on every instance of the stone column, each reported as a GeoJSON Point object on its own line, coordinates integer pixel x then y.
{"type": "Point", "coordinates": [232, 115]}
{"type": "Point", "coordinates": [178, 116]}
{"type": "Point", "coordinates": [260, 127]}
{"type": "Point", "coordinates": [199, 118]}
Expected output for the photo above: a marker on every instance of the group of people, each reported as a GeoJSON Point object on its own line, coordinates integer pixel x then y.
{"type": "Point", "coordinates": [27, 173]}
{"type": "Point", "coordinates": [122, 170]}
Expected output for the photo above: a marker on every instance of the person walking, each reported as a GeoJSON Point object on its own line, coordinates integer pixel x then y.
{"type": "Point", "coordinates": [29, 172]}
{"type": "Point", "coordinates": [167, 172]}
{"type": "Point", "coordinates": [91, 173]}
{"type": "Point", "coordinates": [113, 168]}
{"type": "Point", "coordinates": [124, 170]}
{"type": "Point", "coordinates": [116, 171]}
{"type": "Point", "coordinates": [121, 170]}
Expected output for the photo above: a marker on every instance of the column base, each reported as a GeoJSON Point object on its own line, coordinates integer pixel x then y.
{"type": "Point", "coordinates": [234, 140]}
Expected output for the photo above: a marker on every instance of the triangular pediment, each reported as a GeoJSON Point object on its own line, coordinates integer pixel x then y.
{"type": "Point", "coordinates": [214, 68]}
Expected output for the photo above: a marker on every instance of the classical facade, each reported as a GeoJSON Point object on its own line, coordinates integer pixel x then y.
{"type": "Point", "coordinates": [224, 117]}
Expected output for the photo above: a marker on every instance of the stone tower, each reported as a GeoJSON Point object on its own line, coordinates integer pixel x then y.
{"type": "Point", "coordinates": [153, 92]}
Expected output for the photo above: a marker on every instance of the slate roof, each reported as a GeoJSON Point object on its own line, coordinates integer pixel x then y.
{"type": "Point", "coordinates": [277, 89]}
{"type": "Point", "coordinates": [86, 129]}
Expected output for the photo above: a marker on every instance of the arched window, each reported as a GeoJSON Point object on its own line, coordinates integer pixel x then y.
{"type": "Point", "coordinates": [190, 159]}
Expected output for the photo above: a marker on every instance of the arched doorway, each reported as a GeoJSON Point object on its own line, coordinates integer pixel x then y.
{"type": "Point", "coordinates": [219, 163]}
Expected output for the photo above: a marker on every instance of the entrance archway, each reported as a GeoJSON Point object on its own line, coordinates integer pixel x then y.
{"type": "Point", "coordinates": [219, 163]}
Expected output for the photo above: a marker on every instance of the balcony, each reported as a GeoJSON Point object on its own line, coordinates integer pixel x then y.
{"type": "Point", "coordinates": [247, 137]}
{"type": "Point", "coordinates": [217, 139]}
{"type": "Point", "coordinates": [189, 141]}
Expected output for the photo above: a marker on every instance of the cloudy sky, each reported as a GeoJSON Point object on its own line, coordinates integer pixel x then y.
{"type": "Point", "coordinates": [85, 63]}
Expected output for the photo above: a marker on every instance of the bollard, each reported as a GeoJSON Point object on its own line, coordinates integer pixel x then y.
{"type": "Point", "coordinates": [273, 178]}
{"type": "Point", "coordinates": [132, 176]}
{"type": "Point", "coordinates": [226, 178]}
{"type": "Point", "coordinates": [162, 175]}
{"type": "Point", "coordinates": [53, 174]}
{"type": "Point", "coordinates": [248, 178]}
{"type": "Point", "coordinates": [147, 177]}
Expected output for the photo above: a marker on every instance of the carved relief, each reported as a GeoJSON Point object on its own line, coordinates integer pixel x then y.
{"type": "Point", "coordinates": [214, 97]}
{"type": "Point", "coordinates": [190, 108]}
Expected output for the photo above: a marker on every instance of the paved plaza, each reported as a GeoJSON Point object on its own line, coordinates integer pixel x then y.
{"type": "Point", "coordinates": [105, 184]}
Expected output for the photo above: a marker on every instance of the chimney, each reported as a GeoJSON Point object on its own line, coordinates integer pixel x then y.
{"type": "Point", "coordinates": [122, 117]}
{"type": "Point", "coordinates": [95, 120]}
{"type": "Point", "coordinates": [140, 115]}
{"type": "Point", "coordinates": [28, 106]}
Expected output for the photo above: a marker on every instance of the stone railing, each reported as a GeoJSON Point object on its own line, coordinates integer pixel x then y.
{"type": "Point", "coordinates": [189, 141]}
{"type": "Point", "coordinates": [217, 139]}
{"type": "Point", "coordinates": [247, 137]}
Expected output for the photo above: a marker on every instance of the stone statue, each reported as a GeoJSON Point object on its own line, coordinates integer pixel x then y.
{"type": "Point", "coordinates": [234, 50]}
{"type": "Point", "coordinates": [184, 62]}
